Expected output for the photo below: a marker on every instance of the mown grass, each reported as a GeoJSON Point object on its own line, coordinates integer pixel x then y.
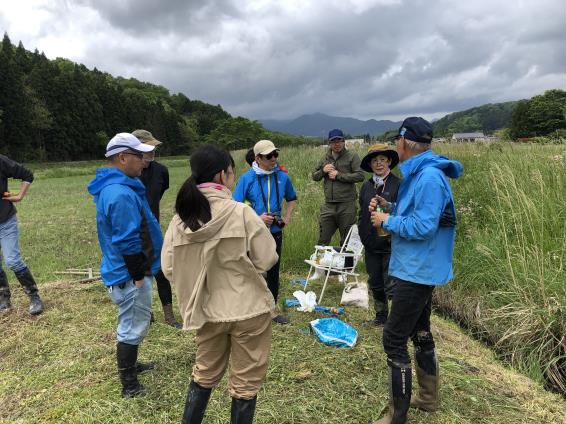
{"type": "Point", "coordinates": [60, 366]}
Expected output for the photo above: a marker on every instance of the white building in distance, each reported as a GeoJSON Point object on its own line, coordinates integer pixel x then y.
{"type": "Point", "coordinates": [474, 136]}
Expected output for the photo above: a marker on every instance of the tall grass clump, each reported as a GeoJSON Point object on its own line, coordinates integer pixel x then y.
{"type": "Point", "coordinates": [510, 283]}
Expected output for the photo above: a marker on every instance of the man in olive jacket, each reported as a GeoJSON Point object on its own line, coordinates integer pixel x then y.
{"type": "Point", "coordinates": [340, 170]}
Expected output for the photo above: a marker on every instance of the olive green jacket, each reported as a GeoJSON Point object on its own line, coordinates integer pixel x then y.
{"type": "Point", "coordinates": [343, 188]}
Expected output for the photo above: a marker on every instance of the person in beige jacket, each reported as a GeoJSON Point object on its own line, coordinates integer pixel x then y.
{"type": "Point", "coordinates": [214, 253]}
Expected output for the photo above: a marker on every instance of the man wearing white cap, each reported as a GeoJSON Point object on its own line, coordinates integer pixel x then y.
{"type": "Point", "coordinates": [130, 240]}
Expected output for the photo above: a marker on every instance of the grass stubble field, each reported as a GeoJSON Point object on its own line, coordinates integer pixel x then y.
{"type": "Point", "coordinates": [509, 291]}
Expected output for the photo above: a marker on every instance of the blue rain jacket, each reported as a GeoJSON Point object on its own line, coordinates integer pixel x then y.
{"type": "Point", "coordinates": [125, 223]}
{"type": "Point", "coordinates": [421, 244]}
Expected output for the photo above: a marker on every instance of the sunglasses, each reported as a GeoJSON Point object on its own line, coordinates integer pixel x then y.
{"type": "Point", "coordinates": [271, 155]}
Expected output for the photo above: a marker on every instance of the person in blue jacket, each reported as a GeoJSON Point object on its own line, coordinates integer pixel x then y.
{"type": "Point", "coordinates": [422, 225]}
{"type": "Point", "coordinates": [130, 240]}
{"type": "Point", "coordinates": [264, 187]}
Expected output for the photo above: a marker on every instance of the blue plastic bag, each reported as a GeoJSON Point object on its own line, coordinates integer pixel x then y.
{"type": "Point", "coordinates": [333, 332]}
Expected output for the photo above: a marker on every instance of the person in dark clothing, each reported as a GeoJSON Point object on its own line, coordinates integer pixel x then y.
{"type": "Point", "coordinates": [155, 178]}
{"type": "Point", "coordinates": [250, 157]}
{"type": "Point", "coordinates": [380, 160]}
{"type": "Point", "coordinates": [9, 237]}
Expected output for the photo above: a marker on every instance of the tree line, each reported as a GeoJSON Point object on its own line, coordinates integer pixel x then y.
{"type": "Point", "coordinates": [543, 115]}
{"type": "Point", "coordinates": [57, 110]}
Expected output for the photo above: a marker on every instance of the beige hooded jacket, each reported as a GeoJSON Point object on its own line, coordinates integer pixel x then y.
{"type": "Point", "coordinates": [216, 270]}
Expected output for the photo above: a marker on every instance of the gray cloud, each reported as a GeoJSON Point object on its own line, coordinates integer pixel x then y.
{"type": "Point", "coordinates": [361, 58]}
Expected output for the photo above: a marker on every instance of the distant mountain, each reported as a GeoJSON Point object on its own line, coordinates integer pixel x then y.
{"type": "Point", "coordinates": [486, 118]}
{"type": "Point", "coordinates": [318, 125]}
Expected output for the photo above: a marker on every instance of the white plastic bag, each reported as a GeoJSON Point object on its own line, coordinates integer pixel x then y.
{"type": "Point", "coordinates": [355, 294]}
{"type": "Point", "coordinates": [327, 257]}
{"type": "Point", "coordinates": [307, 300]}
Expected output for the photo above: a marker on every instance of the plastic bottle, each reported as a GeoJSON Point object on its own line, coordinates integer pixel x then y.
{"type": "Point", "coordinates": [380, 231]}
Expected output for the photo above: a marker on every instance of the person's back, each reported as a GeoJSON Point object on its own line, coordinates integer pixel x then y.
{"type": "Point", "coordinates": [230, 252]}
{"type": "Point", "coordinates": [214, 253]}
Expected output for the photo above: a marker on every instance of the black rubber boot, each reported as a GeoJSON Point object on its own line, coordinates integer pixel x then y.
{"type": "Point", "coordinates": [144, 366]}
{"type": "Point", "coordinates": [126, 357]}
{"type": "Point", "coordinates": [400, 381]}
{"type": "Point", "coordinates": [30, 288]}
{"type": "Point", "coordinates": [381, 312]}
{"type": "Point", "coordinates": [243, 411]}
{"type": "Point", "coordinates": [195, 405]}
{"type": "Point", "coordinates": [4, 292]}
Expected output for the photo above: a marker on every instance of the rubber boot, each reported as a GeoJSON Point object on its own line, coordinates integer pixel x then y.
{"type": "Point", "coordinates": [381, 312]}
{"type": "Point", "coordinates": [399, 394]}
{"type": "Point", "coordinates": [30, 288]}
{"type": "Point", "coordinates": [170, 317]}
{"type": "Point", "coordinates": [126, 356]}
{"type": "Point", "coordinates": [195, 405]}
{"type": "Point", "coordinates": [243, 410]}
{"type": "Point", "coordinates": [428, 398]}
{"type": "Point", "coordinates": [4, 292]}
{"type": "Point", "coordinates": [144, 366]}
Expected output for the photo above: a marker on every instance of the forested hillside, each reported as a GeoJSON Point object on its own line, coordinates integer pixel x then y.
{"type": "Point", "coordinates": [57, 110]}
{"type": "Point", "coordinates": [486, 118]}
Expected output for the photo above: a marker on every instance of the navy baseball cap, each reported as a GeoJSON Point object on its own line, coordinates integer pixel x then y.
{"type": "Point", "coordinates": [416, 129]}
{"type": "Point", "coordinates": [335, 133]}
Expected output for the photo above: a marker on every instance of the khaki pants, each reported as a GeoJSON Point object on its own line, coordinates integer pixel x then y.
{"type": "Point", "coordinates": [335, 216]}
{"type": "Point", "coordinates": [247, 343]}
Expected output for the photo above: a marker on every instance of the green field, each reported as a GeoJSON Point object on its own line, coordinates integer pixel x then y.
{"type": "Point", "coordinates": [509, 290]}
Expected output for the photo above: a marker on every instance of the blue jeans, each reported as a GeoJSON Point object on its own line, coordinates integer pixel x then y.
{"type": "Point", "coordinates": [134, 310]}
{"type": "Point", "coordinates": [10, 245]}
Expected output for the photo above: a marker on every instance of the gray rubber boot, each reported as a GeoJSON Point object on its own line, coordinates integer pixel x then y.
{"type": "Point", "coordinates": [30, 288]}
{"type": "Point", "coordinates": [4, 292]}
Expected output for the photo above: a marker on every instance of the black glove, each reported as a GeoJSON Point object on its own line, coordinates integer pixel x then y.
{"type": "Point", "coordinates": [136, 265]}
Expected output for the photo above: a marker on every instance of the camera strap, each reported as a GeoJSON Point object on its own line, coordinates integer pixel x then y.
{"type": "Point", "coordinates": [265, 200]}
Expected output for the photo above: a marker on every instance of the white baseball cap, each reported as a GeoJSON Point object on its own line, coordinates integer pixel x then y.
{"type": "Point", "coordinates": [126, 141]}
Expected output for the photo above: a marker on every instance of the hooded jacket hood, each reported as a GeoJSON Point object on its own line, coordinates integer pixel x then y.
{"type": "Point", "coordinates": [212, 227]}
{"type": "Point", "coordinates": [216, 270]}
{"type": "Point", "coordinates": [108, 176]}
{"type": "Point", "coordinates": [451, 168]}
{"type": "Point", "coordinates": [125, 224]}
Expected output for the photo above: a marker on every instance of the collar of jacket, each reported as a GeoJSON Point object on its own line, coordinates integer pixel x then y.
{"type": "Point", "coordinates": [342, 153]}
{"type": "Point", "coordinates": [413, 165]}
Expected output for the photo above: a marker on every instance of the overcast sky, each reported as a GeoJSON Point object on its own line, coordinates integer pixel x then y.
{"type": "Point", "coordinates": [280, 59]}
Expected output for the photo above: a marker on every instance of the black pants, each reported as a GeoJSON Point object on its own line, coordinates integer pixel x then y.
{"type": "Point", "coordinates": [163, 288]}
{"type": "Point", "coordinates": [409, 317]}
{"type": "Point", "coordinates": [273, 273]}
{"type": "Point", "coordinates": [377, 266]}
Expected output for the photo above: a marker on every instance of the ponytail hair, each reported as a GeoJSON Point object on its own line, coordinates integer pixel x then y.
{"type": "Point", "coordinates": [191, 205]}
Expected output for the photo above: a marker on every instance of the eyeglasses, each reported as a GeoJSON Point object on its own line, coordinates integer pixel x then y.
{"type": "Point", "coordinates": [271, 155]}
{"type": "Point", "coordinates": [138, 155]}
{"type": "Point", "coordinates": [380, 159]}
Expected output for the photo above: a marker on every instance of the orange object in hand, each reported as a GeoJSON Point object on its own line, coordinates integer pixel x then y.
{"type": "Point", "coordinates": [6, 194]}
